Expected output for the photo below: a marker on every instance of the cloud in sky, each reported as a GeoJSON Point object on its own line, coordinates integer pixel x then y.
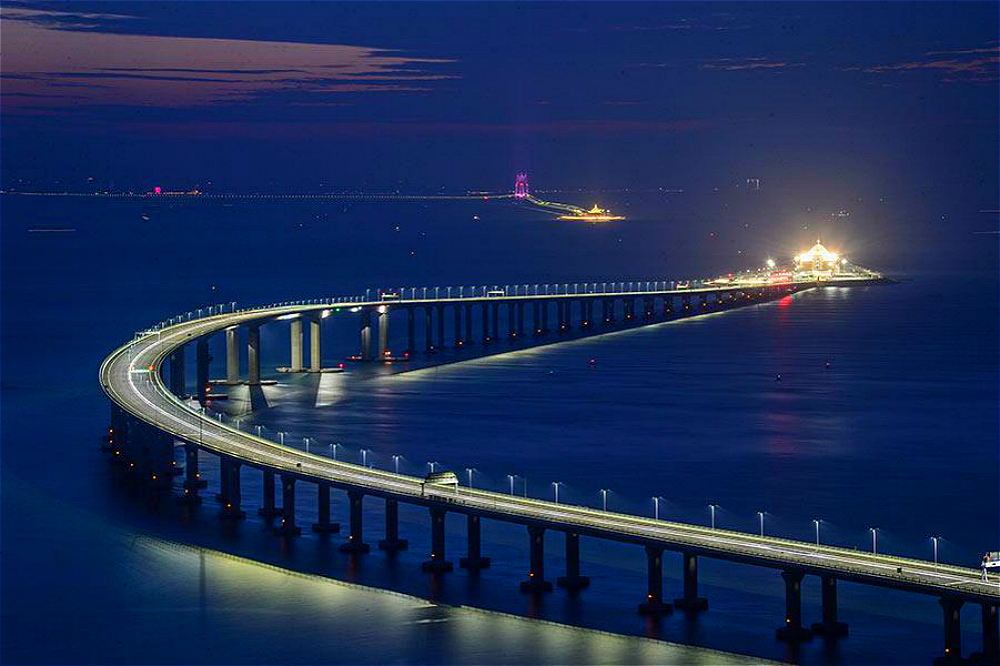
{"type": "Point", "coordinates": [742, 64]}
{"type": "Point", "coordinates": [977, 64]}
{"type": "Point", "coordinates": [41, 59]}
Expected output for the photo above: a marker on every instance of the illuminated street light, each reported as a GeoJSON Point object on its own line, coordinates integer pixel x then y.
{"type": "Point", "coordinates": [395, 461]}
{"type": "Point", "coordinates": [874, 531]}
{"type": "Point", "coordinates": [432, 466]}
{"type": "Point", "coordinates": [510, 478]}
{"type": "Point", "coordinates": [469, 471]}
{"type": "Point", "coordinates": [934, 540]}
{"type": "Point", "coordinates": [816, 522]}
{"type": "Point", "coordinates": [656, 508]}
{"type": "Point", "coordinates": [712, 508]}
{"type": "Point", "coordinates": [770, 263]}
{"type": "Point", "coordinates": [604, 498]}
{"type": "Point", "coordinates": [364, 457]}
{"type": "Point", "coordinates": [760, 514]}
{"type": "Point", "coordinates": [555, 486]}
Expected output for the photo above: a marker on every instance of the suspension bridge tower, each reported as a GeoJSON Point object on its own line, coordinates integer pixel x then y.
{"type": "Point", "coordinates": [521, 186]}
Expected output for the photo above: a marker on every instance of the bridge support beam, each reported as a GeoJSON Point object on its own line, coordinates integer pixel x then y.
{"type": "Point", "coordinates": [203, 359]}
{"type": "Point", "coordinates": [411, 334]}
{"type": "Point", "coordinates": [830, 627]}
{"type": "Point", "coordinates": [545, 317]}
{"type": "Point", "coordinates": [253, 355]}
{"type": "Point", "coordinates": [467, 340]}
{"type": "Point", "coordinates": [392, 543]}
{"type": "Point", "coordinates": [428, 329]}
{"type": "Point", "coordinates": [440, 327]}
{"type": "Point", "coordinates": [952, 609]}
{"type": "Point", "coordinates": [495, 321]}
{"type": "Point", "coordinates": [486, 323]}
{"type": "Point", "coordinates": [991, 637]}
{"type": "Point", "coordinates": [366, 335]}
{"type": "Point", "coordinates": [474, 559]}
{"type": "Point", "coordinates": [629, 308]}
{"type": "Point", "coordinates": [178, 382]}
{"type": "Point", "coordinates": [192, 477]}
{"type": "Point", "coordinates": [457, 321]}
{"type": "Point", "coordinates": [587, 313]}
{"type": "Point", "coordinates": [323, 524]}
{"type": "Point", "coordinates": [793, 629]}
{"type": "Point", "coordinates": [536, 574]}
{"type": "Point", "coordinates": [536, 316]}
{"type": "Point", "coordinates": [520, 319]}
{"type": "Point", "coordinates": [647, 308]}
{"type": "Point", "coordinates": [668, 305]}
{"type": "Point", "coordinates": [232, 355]}
{"type": "Point", "coordinates": [511, 321]}
{"type": "Point", "coordinates": [654, 595]}
{"type": "Point", "coordinates": [691, 602]}
{"type": "Point", "coordinates": [437, 563]}
{"type": "Point", "coordinates": [383, 332]}
{"type": "Point", "coordinates": [287, 526]}
{"type": "Point", "coordinates": [295, 353]}
{"type": "Point", "coordinates": [269, 510]}
{"type": "Point", "coordinates": [315, 344]}
{"type": "Point", "coordinates": [573, 581]}
{"type": "Point", "coordinates": [231, 494]}
{"type": "Point", "coordinates": [355, 542]}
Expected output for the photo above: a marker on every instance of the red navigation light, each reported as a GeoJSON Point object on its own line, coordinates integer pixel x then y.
{"type": "Point", "coordinates": [157, 190]}
{"type": "Point", "coordinates": [340, 365]}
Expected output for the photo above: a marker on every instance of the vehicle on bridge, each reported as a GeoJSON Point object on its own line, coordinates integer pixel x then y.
{"type": "Point", "coordinates": [389, 296]}
{"type": "Point", "coordinates": [440, 479]}
{"type": "Point", "coordinates": [495, 293]}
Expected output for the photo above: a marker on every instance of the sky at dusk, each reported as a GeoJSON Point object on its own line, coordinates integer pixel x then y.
{"type": "Point", "coordinates": [250, 95]}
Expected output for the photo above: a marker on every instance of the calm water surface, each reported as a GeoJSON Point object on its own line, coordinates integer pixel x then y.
{"type": "Point", "coordinates": [900, 433]}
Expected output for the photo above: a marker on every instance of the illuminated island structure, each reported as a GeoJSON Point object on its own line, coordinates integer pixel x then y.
{"type": "Point", "coordinates": [595, 214]}
{"type": "Point", "coordinates": [817, 264]}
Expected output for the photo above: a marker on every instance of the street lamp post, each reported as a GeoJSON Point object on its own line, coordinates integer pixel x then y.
{"type": "Point", "coordinates": [816, 522]}
{"type": "Point", "coordinates": [364, 457]}
{"type": "Point", "coordinates": [874, 531]}
{"type": "Point", "coordinates": [555, 486]}
{"type": "Point", "coordinates": [432, 466]}
{"type": "Point", "coordinates": [760, 514]}
{"type": "Point", "coordinates": [934, 540]}
{"type": "Point", "coordinates": [510, 478]}
{"type": "Point", "coordinates": [712, 508]}
{"type": "Point", "coordinates": [656, 508]}
{"type": "Point", "coordinates": [604, 499]}
{"type": "Point", "coordinates": [469, 471]}
{"type": "Point", "coordinates": [395, 462]}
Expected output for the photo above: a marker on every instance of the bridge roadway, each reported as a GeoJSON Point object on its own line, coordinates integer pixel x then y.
{"type": "Point", "coordinates": [130, 376]}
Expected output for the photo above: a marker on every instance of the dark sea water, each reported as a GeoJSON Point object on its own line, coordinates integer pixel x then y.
{"type": "Point", "coordinates": [901, 432]}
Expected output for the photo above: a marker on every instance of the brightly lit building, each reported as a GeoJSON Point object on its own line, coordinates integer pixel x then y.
{"type": "Point", "coordinates": [817, 264]}
{"type": "Point", "coordinates": [817, 260]}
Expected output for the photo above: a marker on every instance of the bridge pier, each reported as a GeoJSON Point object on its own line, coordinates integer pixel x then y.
{"type": "Point", "coordinates": [231, 495]}
{"type": "Point", "coordinates": [704, 301]}
{"type": "Point", "coordinates": [536, 316]}
{"type": "Point", "coordinates": [467, 340]}
{"type": "Point", "coordinates": [437, 563]}
{"type": "Point", "coordinates": [411, 336]}
{"type": "Point", "coordinates": [192, 477]}
{"type": "Point", "coordinates": [203, 359]}
{"type": "Point", "coordinates": [668, 305]}
{"type": "Point", "coordinates": [654, 596]}
{"type": "Point", "coordinates": [355, 543]}
{"type": "Point", "coordinates": [536, 574]}
{"type": "Point", "coordinates": [428, 329]}
{"type": "Point", "coordinates": [496, 321]}
{"type": "Point", "coordinates": [232, 355]}
{"type": "Point", "coordinates": [561, 314]}
{"type": "Point", "coordinates": [520, 319]}
{"type": "Point", "coordinates": [686, 301]}
{"type": "Point", "coordinates": [366, 335]}
{"type": "Point", "coordinates": [545, 317]}
{"type": "Point", "coordinates": [573, 581]}
{"type": "Point", "coordinates": [830, 627]}
{"type": "Point", "coordinates": [267, 485]}
{"type": "Point", "coordinates": [383, 332]}
{"type": "Point", "coordinates": [392, 543]}
{"type": "Point", "coordinates": [323, 524]}
{"type": "Point", "coordinates": [315, 344]}
{"type": "Point", "coordinates": [793, 629]}
{"type": "Point", "coordinates": [253, 355]}
{"type": "Point", "coordinates": [952, 609]}
{"type": "Point", "coordinates": [587, 307]}
{"type": "Point", "coordinates": [486, 323]}
{"type": "Point", "coordinates": [440, 327]}
{"type": "Point", "coordinates": [474, 559]}
{"type": "Point", "coordinates": [991, 637]}
{"type": "Point", "coordinates": [288, 526]}
{"type": "Point", "coordinates": [295, 331]}
{"type": "Point", "coordinates": [458, 325]}
{"type": "Point", "coordinates": [178, 382]}
{"type": "Point", "coordinates": [511, 331]}
{"type": "Point", "coordinates": [691, 602]}
{"type": "Point", "coordinates": [647, 308]}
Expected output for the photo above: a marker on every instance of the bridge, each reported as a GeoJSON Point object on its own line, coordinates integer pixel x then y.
{"type": "Point", "coordinates": [145, 382]}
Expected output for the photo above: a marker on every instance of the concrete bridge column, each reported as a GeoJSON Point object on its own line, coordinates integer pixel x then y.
{"type": "Point", "coordinates": [686, 300]}
{"type": "Point", "coordinates": [253, 355]}
{"type": "Point", "coordinates": [545, 317]}
{"type": "Point", "coordinates": [203, 359]}
{"type": "Point", "coordinates": [295, 329]}
{"type": "Point", "coordinates": [178, 382]}
{"type": "Point", "coordinates": [355, 543]}
{"type": "Point", "coordinates": [496, 321]}
{"type": "Point", "coordinates": [232, 496]}
{"type": "Point", "coordinates": [691, 602]}
{"type": "Point", "coordinates": [366, 335]}
{"type": "Point", "coordinates": [474, 559]}
{"type": "Point", "coordinates": [383, 332]}
{"type": "Point", "coordinates": [704, 301]}
{"type": "Point", "coordinates": [468, 325]}
{"type": "Point", "coordinates": [647, 309]}
{"type": "Point", "coordinates": [520, 319]}
{"type": "Point", "coordinates": [605, 312]}
{"type": "Point", "coordinates": [269, 510]}
{"type": "Point", "coordinates": [952, 608]}
{"type": "Point", "coordinates": [486, 323]}
{"type": "Point", "coordinates": [511, 321]}
{"type": "Point", "coordinates": [830, 627]}
{"type": "Point", "coordinates": [668, 305]}
{"type": "Point", "coordinates": [428, 329]}
{"type": "Point", "coordinates": [561, 314]}
{"type": "Point", "coordinates": [440, 326]}
{"type": "Point", "coordinates": [654, 596]}
{"type": "Point", "coordinates": [392, 543]}
{"type": "Point", "coordinates": [718, 298]}
{"type": "Point", "coordinates": [437, 563]}
{"type": "Point", "coordinates": [587, 313]}
{"type": "Point", "coordinates": [458, 325]}
{"type": "Point", "coordinates": [630, 308]}
{"type": "Point", "coordinates": [287, 526]}
{"type": "Point", "coordinates": [536, 574]}
{"type": "Point", "coordinates": [192, 476]}
{"type": "Point", "coordinates": [411, 334]}
{"type": "Point", "coordinates": [232, 355]}
{"type": "Point", "coordinates": [991, 636]}
{"type": "Point", "coordinates": [793, 629]}
{"type": "Point", "coordinates": [573, 580]}
{"type": "Point", "coordinates": [315, 344]}
{"type": "Point", "coordinates": [323, 524]}
{"type": "Point", "coordinates": [536, 316]}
